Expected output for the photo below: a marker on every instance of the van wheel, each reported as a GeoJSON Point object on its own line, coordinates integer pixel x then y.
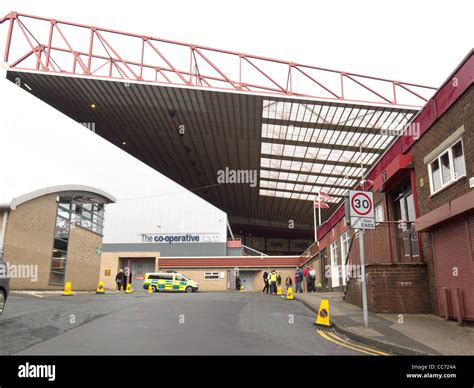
{"type": "Point", "coordinates": [154, 288]}
{"type": "Point", "coordinates": [2, 301]}
{"type": "Point", "coordinates": [189, 289]}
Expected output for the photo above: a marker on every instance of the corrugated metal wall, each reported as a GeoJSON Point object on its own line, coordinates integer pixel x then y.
{"type": "Point", "coordinates": [454, 266]}
{"type": "Point", "coordinates": [160, 206]}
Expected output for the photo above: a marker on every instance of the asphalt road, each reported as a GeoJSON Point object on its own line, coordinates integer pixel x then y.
{"type": "Point", "coordinates": [179, 324]}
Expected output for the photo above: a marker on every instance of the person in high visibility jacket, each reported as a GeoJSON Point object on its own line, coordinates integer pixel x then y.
{"type": "Point", "coordinates": [273, 281]}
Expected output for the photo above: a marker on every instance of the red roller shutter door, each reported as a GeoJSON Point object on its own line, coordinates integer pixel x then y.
{"type": "Point", "coordinates": [453, 247]}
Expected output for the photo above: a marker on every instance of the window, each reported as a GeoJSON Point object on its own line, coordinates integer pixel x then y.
{"type": "Point", "coordinates": [379, 214]}
{"type": "Point", "coordinates": [345, 241]}
{"type": "Point", "coordinates": [86, 211]}
{"type": "Point", "coordinates": [211, 275]}
{"type": "Point", "coordinates": [458, 160]}
{"type": "Point", "coordinates": [334, 265]}
{"type": "Point", "coordinates": [448, 167]}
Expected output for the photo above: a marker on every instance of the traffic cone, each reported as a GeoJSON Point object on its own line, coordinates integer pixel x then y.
{"type": "Point", "coordinates": [279, 291]}
{"type": "Point", "coordinates": [68, 289]}
{"type": "Point", "coordinates": [322, 319]}
{"type": "Point", "coordinates": [100, 288]}
{"type": "Point", "coordinates": [129, 289]}
{"type": "Point", "coordinates": [150, 289]}
{"type": "Point", "coordinates": [289, 294]}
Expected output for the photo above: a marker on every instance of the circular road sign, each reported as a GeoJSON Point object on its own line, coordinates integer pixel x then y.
{"type": "Point", "coordinates": [361, 204]}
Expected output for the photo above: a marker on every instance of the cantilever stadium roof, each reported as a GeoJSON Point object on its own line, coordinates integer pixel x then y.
{"type": "Point", "coordinates": [299, 143]}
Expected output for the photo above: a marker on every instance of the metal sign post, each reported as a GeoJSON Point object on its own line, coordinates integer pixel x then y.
{"type": "Point", "coordinates": [360, 207]}
{"type": "Point", "coordinates": [362, 274]}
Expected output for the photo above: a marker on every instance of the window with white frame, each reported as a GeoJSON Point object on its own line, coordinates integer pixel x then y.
{"type": "Point", "coordinates": [345, 242]}
{"type": "Point", "coordinates": [334, 265]}
{"type": "Point", "coordinates": [447, 167]}
{"type": "Point", "coordinates": [211, 275]}
{"type": "Point", "coordinates": [379, 214]}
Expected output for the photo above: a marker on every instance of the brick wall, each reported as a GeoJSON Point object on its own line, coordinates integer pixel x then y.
{"type": "Point", "coordinates": [284, 272]}
{"type": "Point", "coordinates": [393, 288]}
{"type": "Point", "coordinates": [29, 240]}
{"type": "Point", "coordinates": [83, 264]}
{"type": "Point", "coordinates": [197, 274]}
{"type": "Point", "coordinates": [460, 113]}
{"type": "Point", "coordinates": [109, 265]}
{"type": "Point", "coordinates": [207, 285]}
{"type": "Point", "coordinates": [316, 264]}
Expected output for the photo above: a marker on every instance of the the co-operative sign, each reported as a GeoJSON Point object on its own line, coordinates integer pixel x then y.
{"type": "Point", "coordinates": [179, 238]}
{"type": "Point", "coordinates": [361, 209]}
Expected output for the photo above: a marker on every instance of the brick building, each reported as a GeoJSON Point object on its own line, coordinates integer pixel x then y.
{"type": "Point", "coordinates": [212, 273]}
{"type": "Point", "coordinates": [425, 179]}
{"type": "Point", "coordinates": [53, 235]}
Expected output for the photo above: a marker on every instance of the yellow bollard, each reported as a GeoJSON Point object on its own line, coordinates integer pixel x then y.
{"type": "Point", "coordinates": [322, 319]}
{"type": "Point", "coordinates": [150, 289]}
{"type": "Point", "coordinates": [279, 291]}
{"type": "Point", "coordinates": [100, 288]}
{"type": "Point", "coordinates": [242, 289]}
{"type": "Point", "coordinates": [129, 289]}
{"type": "Point", "coordinates": [289, 294]}
{"type": "Point", "coordinates": [68, 289]}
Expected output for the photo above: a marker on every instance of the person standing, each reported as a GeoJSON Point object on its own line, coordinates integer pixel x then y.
{"type": "Point", "coordinates": [120, 280]}
{"type": "Point", "coordinates": [305, 278]}
{"type": "Point", "coordinates": [312, 277]}
{"type": "Point", "coordinates": [288, 282]}
{"type": "Point", "coordinates": [273, 281]}
{"type": "Point", "coordinates": [266, 288]}
{"type": "Point", "coordinates": [299, 278]}
{"type": "Point", "coordinates": [278, 279]}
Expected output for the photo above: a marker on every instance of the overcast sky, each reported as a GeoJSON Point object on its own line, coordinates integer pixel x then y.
{"type": "Point", "coordinates": [410, 40]}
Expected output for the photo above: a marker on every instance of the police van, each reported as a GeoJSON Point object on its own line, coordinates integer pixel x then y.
{"type": "Point", "coordinates": [166, 281]}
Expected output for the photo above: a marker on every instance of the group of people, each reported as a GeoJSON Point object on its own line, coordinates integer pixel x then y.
{"type": "Point", "coordinates": [272, 280]}
{"type": "Point", "coordinates": [303, 276]}
{"type": "Point", "coordinates": [306, 276]}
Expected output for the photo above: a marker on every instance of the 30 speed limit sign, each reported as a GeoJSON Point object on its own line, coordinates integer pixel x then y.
{"type": "Point", "coordinates": [361, 209]}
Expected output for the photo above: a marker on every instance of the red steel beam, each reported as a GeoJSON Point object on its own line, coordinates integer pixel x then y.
{"type": "Point", "coordinates": [134, 69]}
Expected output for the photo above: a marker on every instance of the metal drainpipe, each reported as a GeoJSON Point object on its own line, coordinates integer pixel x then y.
{"type": "Point", "coordinates": [4, 231]}
{"type": "Point", "coordinates": [417, 212]}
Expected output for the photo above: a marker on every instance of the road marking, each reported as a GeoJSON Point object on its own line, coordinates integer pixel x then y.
{"type": "Point", "coordinates": [342, 344]}
{"type": "Point", "coordinates": [339, 341]}
{"type": "Point", "coordinates": [32, 293]}
{"type": "Point", "coordinates": [357, 346]}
